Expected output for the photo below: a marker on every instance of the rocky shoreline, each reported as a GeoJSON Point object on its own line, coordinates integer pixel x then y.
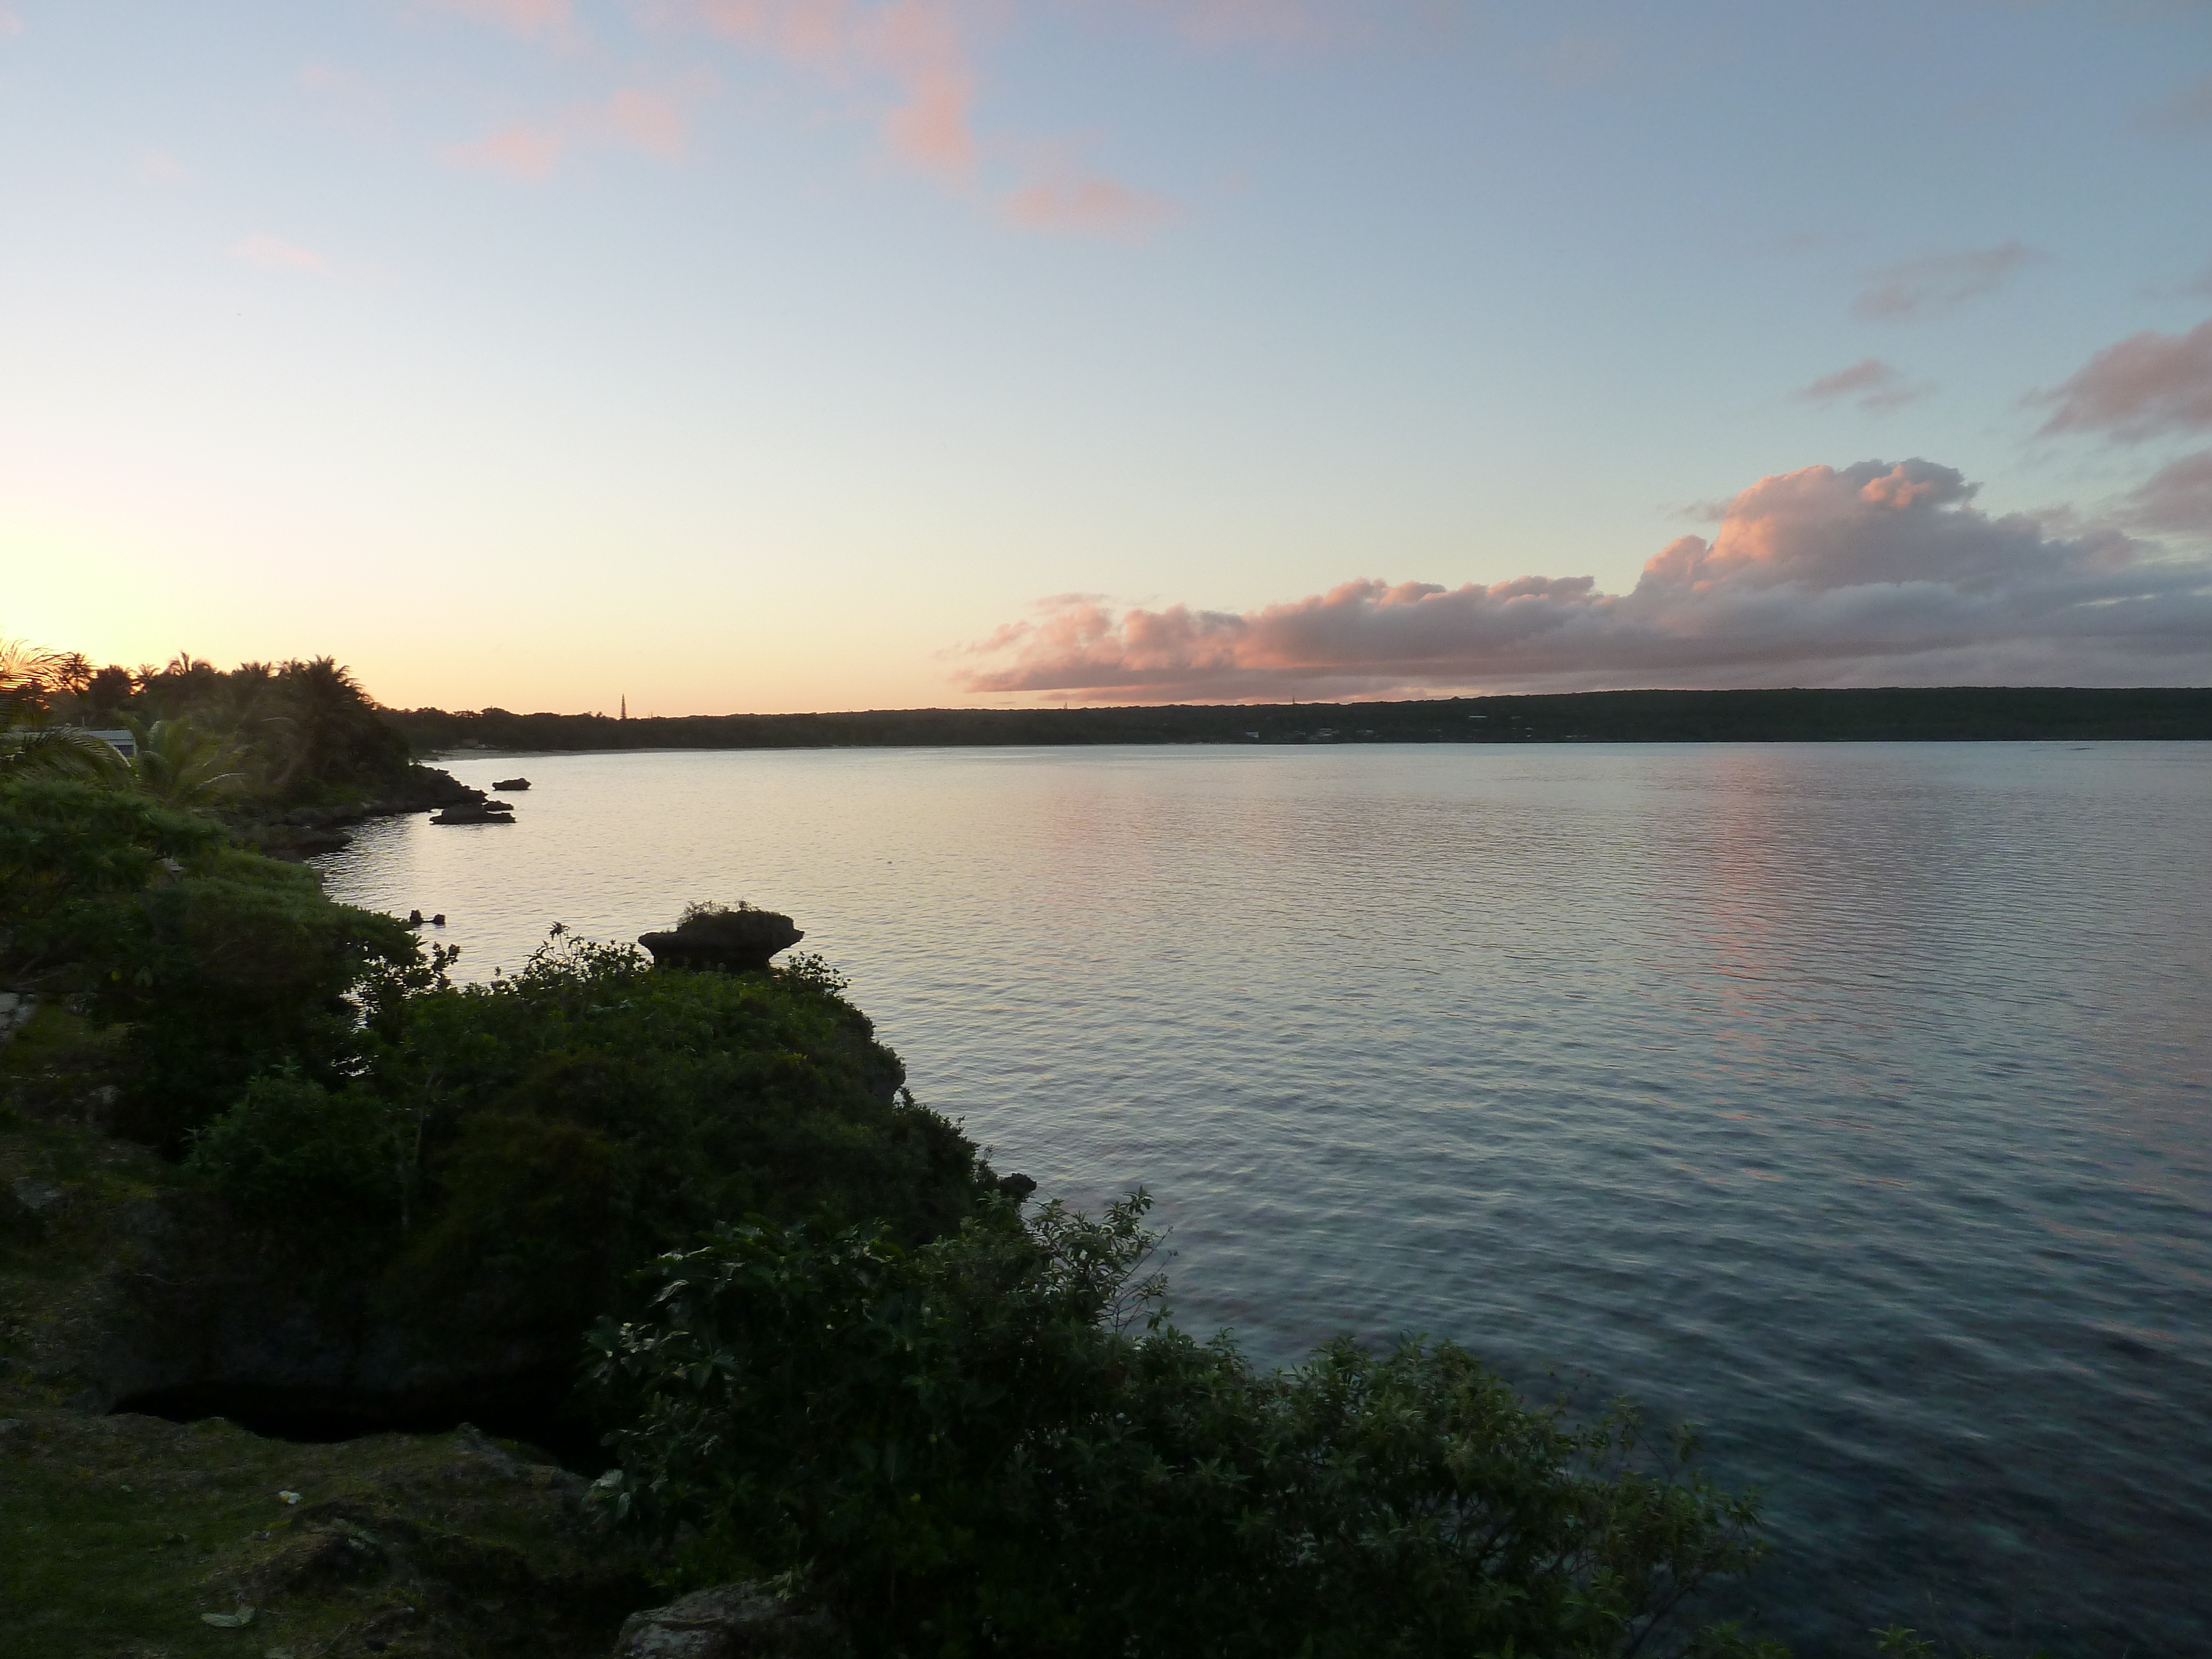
{"type": "Point", "coordinates": [308, 832]}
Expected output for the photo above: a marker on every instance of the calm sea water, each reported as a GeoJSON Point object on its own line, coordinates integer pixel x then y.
{"type": "Point", "coordinates": [1850, 1101]}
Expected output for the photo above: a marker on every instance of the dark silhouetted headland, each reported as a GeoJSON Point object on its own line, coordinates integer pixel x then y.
{"type": "Point", "coordinates": [1889, 714]}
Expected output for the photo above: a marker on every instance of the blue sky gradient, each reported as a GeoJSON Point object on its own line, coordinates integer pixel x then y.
{"type": "Point", "coordinates": [769, 353]}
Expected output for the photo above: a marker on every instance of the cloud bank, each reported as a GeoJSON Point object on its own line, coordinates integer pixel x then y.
{"type": "Point", "coordinates": [1875, 575]}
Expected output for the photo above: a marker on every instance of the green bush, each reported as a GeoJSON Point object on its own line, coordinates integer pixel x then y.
{"type": "Point", "coordinates": [219, 964]}
{"type": "Point", "coordinates": [569, 1124]}
{"type": "Point", "coordinates": [488, 1165]}
{"type": "Point", "coordinates": [240, 968]}
{"type": "Point", "coordinates": [976, 1446]}
{"type": "Point", "coordinates": [294, 1154]}
{"type": "Point", "coordinates": [64, 841]}
{"type": "Point", "coordinates": [527, 1209]}
{"type": "Point", "coordinates": [484, 1169]}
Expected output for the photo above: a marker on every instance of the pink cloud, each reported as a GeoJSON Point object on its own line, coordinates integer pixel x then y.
{"type": "Point", "coordinates": [345, 99]}
{"type": "Point", "coordinates": [525, 149]}
{"type": "Point", "coordinates": [158, 166]}
{"type": "Point", "coordinates": [1066, 199]}
{"type": "Point", "coordinates": [648, 118]}
{"type": "Point", "coordinates": [1220, 22]}
{"type": "Point", "coordinates": [918, 47]}
{"type": "Point", "coordinates": [2146, 385]}
{"type": "Point", "coordinates": [2178, 497]}
{"type": "Point", "coordinates": [532, 19]}
{"type": "Point", "coordinates": [652, 120]}
{"type": "Point", "coordinates": [914, 65]}
{"type": "Point", "coordinates": [1873, 384]}
{"type": "Point", "coordinates": [274, 253]}
{"type": "Point", "coordinates": [919, 44]}
{"type": "Point", "coordinates": [1869, 574]}
{"type": "Point", "coordinates": [1941, 282]}
{"type": "Point", "coordinates": [2190, 107]}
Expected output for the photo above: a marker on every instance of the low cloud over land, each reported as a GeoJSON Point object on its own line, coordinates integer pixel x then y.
{"type": "Point", "coordinates": [1873, 575]}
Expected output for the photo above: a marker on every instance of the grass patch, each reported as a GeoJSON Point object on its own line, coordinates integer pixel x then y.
{"type": "Point", "coordinates": [118, 1534]}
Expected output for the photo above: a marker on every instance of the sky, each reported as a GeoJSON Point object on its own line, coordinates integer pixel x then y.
{"type": "Point", "coordinates": [779, 355]}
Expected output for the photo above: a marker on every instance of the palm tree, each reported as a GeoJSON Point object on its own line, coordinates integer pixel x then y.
{"type": "Point", "coordinates": [29, 675]}
{"type": "Point", "coordinates": [108, 690]}
{"type": "Point", "coordinates": [60, 751]}
{"type": "Point", "coordinates": [179, 763]}
{"type": "Point", "coordinates": [326, 704]}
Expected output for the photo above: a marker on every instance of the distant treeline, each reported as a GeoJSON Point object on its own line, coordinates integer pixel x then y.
{"type": "Point", "coordinates": [1934, 715]}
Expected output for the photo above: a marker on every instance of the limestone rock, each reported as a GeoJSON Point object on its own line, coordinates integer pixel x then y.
{"type": "Point", "coordinates": [37, 1196]}
{"type": "Point", "coordinates": [737, 941]}
{"type": "Point", "coordinates": [482, 812]}
{"type": "Point", "coordinates": [730, 1621]}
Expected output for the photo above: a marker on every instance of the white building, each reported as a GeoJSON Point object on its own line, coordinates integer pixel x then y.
{"type": "Point", "coordinates": [125, 744]}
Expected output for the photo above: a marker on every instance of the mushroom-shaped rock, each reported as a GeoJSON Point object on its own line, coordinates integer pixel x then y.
{"type": "Point", "coordinates": [737, 941]}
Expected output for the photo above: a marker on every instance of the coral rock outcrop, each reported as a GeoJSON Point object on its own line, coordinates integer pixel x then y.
{"type": "Point", "coordinates": [736, 941]}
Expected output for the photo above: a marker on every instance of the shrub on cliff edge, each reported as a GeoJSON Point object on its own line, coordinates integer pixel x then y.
{"type": "Point", "coordinates": [505, 1158]}
{"type": "Point", "coordinates": [975, 1447]}
{"type": "Point", "coordinates": [217, 964]}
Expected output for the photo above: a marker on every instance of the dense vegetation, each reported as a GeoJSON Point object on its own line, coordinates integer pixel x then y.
{"type": "Point", "coordinates": [489, 1163]}
{"type": "Point", "coordinates": [996, 1443]}
{"type": "Point", "coordinates": [211, 964]}
{"type": "Point", "coordinates": [259, 737]}
{"type": "Point", "coordinates": [511, 1153]}
{"type": "Point", "coordinates": [1910, 714]}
